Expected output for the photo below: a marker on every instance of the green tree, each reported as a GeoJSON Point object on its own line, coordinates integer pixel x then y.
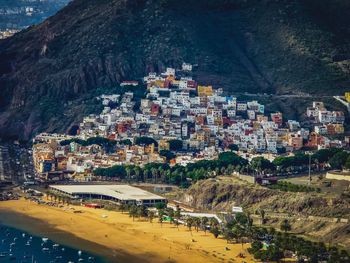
{"type": "Point", "coordinates": [339, 160]}
{"type": "Point", "coordinates": [133, 212]}
{"type": "Point", "coordinates": [150, 216]}
{"type": "Point", "coordinates": [197, 223]}
{"type": "Point", "coordinates": [175, 145]}
{"type": "Point", "coordinates": [177, 215]}
{"type": "Point", "coordinates": [347, 163]}
{"type": "Point", "coordinates": [167, 154]}
{"type": "Point", "coordinates": [261, 165]}
{"type": "Point", "coordinates": [128, 173]}
{"type": "Point", "coordinates": [189, 223]}
{"type": "Point", "coordinates": [233, 147]}
{"type": "Point", "coordinates": [215, 231]}
{"type": "Point", "coordinates": [204, 223]}
{"type": "Point", "coordinates": [145, 141]}
{"type": "Point", "coordinates": [285, 226]}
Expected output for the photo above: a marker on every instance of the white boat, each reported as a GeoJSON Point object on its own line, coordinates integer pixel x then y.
{"type": "Point", "coordinates": [55, 245]}
{"type": "Point", "coordinates": [45, 249]}
{"type": "Point", "coordinates": [45, 239]}
{"type": "Point", "coordinates": [79, 252]}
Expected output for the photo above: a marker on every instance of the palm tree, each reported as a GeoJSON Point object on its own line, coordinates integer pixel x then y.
{"type": "Point", "coordinates": [229, 235]}
{"type": "Point", "coordinates": [161, 173]}
{"type": "Point", "coordinates": [133, 212]}
{"type": "Point", "coordinates": [189, 223]}
{"type": "Point", "coordinates": [215, 231]}
{"type": "Point", "coordinates": [171, 214]}
{"type": "Point", "coordinates": [160, 216]}
{"type": "Point", "coordinates": [213, 222]}
{"type": "Point", "coordinates": [142, 211]}
{"type": "Point", "coordinates": [197, 223]}
{"type": "Point", "coordinates": [128, 173]}
{"type": "Point", "coordinates": [177, 215]}
{"type": "Point", "coordinates": [154, 173]}
{"type": "Point", "coordinates": [145, 174]}
{"type": "Point", "coordinates": [285, 226]}
{"type": "Point", "coordinates": [204, 222]}
{"type": "Point", "coordinates": [262, 215]}
{"type": "Point", "coordinates": [137, 172]}
{"type": "Point", "coordinates": [150, 216]}
{"type": "Point", "coordinates": [122, 207]}
{"type": "Point", "coordinates": [167, 175]}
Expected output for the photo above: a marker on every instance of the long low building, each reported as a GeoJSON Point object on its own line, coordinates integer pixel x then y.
{"type": "Point", "coordinates": [119, 193]}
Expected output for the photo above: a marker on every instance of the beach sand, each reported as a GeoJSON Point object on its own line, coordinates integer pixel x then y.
{"type": "Point", "coordinates": [118, 238]}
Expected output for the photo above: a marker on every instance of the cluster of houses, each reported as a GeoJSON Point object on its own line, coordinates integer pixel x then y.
{"type": "Point", "coordinates": [326, 122]}
{"type": "Point", "coordinates": [176, 107]}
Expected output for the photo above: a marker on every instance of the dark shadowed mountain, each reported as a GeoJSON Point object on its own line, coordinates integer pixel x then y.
{"type": "Point", "coordinates": [50, 72]}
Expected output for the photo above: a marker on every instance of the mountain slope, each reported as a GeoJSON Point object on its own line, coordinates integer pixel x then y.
{"type": "Point", "coordinates": [50, 72]}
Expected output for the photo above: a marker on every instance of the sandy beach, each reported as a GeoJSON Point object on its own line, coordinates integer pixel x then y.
{"type": "Point", "coordinates": [118, 238]}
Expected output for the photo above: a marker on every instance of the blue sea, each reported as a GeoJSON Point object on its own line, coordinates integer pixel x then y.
{"type": "Point", "coordinates": [18, 246]}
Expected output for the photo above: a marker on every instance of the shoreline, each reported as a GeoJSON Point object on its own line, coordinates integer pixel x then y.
{"type": "Point", "coordinates": [115, 237]}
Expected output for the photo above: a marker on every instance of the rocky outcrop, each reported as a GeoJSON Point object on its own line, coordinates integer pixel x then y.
{"type": "Point", "coordinates": [222, 194]}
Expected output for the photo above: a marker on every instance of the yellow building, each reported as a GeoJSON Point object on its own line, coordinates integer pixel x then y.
{"type": "Point", "coordinates": [347, 96]}
{"type": "Point", "coordinates": [205, 91]}
{"type": "Point", "coordinates": [163, 145]}
{"type": "Point", "coordinates": [339, 128]}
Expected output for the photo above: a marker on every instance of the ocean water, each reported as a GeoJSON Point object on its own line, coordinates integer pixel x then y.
{"type": "Point", "coordinates": [18, 246]}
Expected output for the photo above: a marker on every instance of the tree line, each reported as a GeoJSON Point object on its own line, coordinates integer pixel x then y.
{"type": "Point", "coordinates": [267, 244]}
{"type": "Point", "coordinates": [177, 174]}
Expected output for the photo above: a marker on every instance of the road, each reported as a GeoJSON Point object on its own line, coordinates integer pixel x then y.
{"type": "Point", "coordinates": [2, 171]}
{"type": "Point", "coordinates": [4, 163]}
{"type": "Point", "coordinates": [302, 95]}
{"type": "Point", "coordinates": [15, 163]}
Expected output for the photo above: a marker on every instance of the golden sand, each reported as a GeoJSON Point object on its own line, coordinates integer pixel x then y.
{"type": "Point", "coordinates": [118, 238]}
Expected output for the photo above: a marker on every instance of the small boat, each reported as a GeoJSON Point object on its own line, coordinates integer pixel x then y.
{"type": "Point", "coordinates": [63, 249]}
{"type": "Point", "coordinates": [79, 252]}
{"type": "Point", "coordinates": [45, 249]}
{"type": "Point", "coordinates": [45, 239]}
{"type": "Point", "coordinates": [28, 243]}
{"type": "Point", "coordinates": [23, 235]}
{"type": "Point", "coordinates": [3, 254]}
{"type": "Point", "coordinates": [12, 244]}
{"type": "Point", "coordinates": [55, 245]}
{"type": "Point", "coordinates": [81, 260]}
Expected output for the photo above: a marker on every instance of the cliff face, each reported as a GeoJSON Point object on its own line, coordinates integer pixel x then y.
{"type": "Point", "coordinates": [50, 72]}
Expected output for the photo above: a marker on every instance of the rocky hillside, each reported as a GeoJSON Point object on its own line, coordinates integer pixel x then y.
{"type": "Point", "coordinates": [223, 193]}
{"type": "Point", "coordinates": [50, 72]}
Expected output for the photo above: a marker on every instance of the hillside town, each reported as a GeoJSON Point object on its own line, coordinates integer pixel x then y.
{"type": "Point", "coordinates": [179, 121]}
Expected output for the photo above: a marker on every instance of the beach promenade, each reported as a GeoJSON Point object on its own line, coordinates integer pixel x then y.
{"type": "Point", "coordinates": [118, 238]}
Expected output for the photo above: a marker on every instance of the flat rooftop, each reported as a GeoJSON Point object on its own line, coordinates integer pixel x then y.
{"type": "Point", "coordinates": [121, 192]}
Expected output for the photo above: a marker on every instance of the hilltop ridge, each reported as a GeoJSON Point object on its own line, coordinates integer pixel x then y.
{"type": "Point", "coordinates": [49, 73]}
